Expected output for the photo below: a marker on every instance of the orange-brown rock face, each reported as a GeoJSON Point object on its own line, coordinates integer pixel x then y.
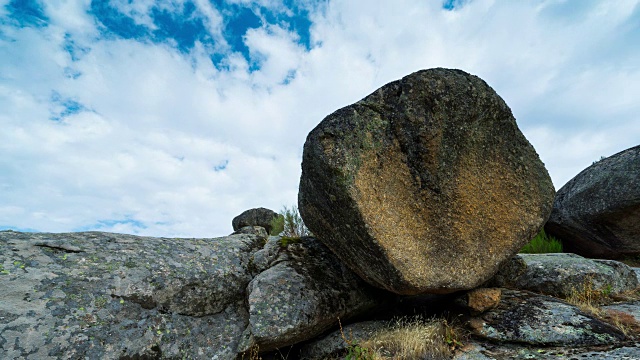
{"type": "Point", "coordinates": [424, 186]}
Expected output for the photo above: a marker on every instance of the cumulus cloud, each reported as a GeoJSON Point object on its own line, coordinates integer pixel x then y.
{"type": "Point", "coordinates": [164, 131]}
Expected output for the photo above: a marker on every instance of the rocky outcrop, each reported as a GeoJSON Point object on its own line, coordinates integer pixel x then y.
{"type": "Point", "coordinates": [302, 291]}
{"type": "Point", "coordinates": [561, 274]}
{"type": "Point", "coordinates": [596, 213]}
{"type": "Point", "coordinates": [112, 296]}
{"type": "Point", "coordinates": [255, 217]}
{"type": "Point", "coordinates": [525, 317]}
{"type": "Point", "coordinates": [426, 185]}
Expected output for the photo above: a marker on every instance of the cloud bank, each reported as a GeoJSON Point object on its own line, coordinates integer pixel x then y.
{"type": "Point", "coordinates": [170, 118]}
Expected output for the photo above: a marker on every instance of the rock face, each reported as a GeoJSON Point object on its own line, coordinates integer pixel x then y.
{"type": "Point", "coordinates": [255, 217]}
{"type": "Point", "coordinates": [525, 317]}
{"type": "Point", "coordinates": [596, 213]}
{"type": "Point", "coordinates": [560, 274]}
{"type": "Point", "coordinates": [301, 292]}
{"type": "Point", "coordinates": [426, 185]}
{"type": "Point", "coordinates": [111, 296]}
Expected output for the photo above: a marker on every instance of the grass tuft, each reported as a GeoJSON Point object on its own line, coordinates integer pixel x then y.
{"type": "Point", "coordinates": [410, 338]}
{"type": "Point", "coordinates": [542, 244]}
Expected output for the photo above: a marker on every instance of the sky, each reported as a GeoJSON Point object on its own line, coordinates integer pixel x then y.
{"type": "Point", "coordinates": [169, 118]}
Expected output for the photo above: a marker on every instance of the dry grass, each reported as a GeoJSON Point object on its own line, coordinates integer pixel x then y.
{"type": "Point", "coordinates": [414, 338]}
{"type": "Point", "coordinates": [623, 321]}
{"type": "Point", "coordinates": [590, 300]}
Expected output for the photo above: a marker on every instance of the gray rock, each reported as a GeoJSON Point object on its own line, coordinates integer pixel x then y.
{"type": "Point", "coordinates": [255, 217]}
{"type": "Point", "coordinates": [525, 317]}
{"type": "Point", "coordinates": [424, 186]}
{"type": "Point", "coordinates": [301, 294]}
{"type": "Point", "coordinates": [560, 274]}
{"type": "Point", "coordinates": [490, 351]}
{"type": "Point", "coordinates": [333, 344]}
{"type": "Point", "coordinates": [110, 296]}
{"type": "Point", "coordinates": [596, 213]}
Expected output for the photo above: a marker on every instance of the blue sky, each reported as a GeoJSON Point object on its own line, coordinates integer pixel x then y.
{"type": "Point", "coordinates": [169, 118]}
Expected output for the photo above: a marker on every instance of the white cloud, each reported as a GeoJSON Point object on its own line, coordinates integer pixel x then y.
{"type": "Point", "coordinates": [159, 122]}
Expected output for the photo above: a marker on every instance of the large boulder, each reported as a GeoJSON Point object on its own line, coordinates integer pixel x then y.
{"type": "Point", "coordinates": [596, 214]}
{"type": "Point", "coordinates": [562, 274]}
{"type": "Point", "coordinates": [255, 217]}
{"type": "Point", "coordinates": [424, 186]}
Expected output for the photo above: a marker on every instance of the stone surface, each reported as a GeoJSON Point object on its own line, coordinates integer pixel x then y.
{"type": "Point", "coordinates": [334, 344]}
{"type": "Point", "coordinates": [525, 317]}
{"type": "Point", "coordinates": [596, 213]}
{"type": "Point", "coordinates": [424, 186]}
{"type": "Point", "coordinates": [302, 293]}
{"type": "Point", "coordinates": [110, 296]}
{"type": "Point", "coordinates": [489, 351]}
{"type": "Point", "coordinates": [560, 274]}
{"type": "Point", "coordinates": [255, 217]}
{"type": "Point", "coordinates": [482, 299]}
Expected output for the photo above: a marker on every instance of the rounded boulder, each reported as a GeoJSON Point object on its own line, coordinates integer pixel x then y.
{"type": "Point", "coordinates": [597, 213]}
{"type": "Point", "coordinates": [424, 186]}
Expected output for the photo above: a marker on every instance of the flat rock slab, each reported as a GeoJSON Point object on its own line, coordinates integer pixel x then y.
{"type": "Point", "coordinates": [525, 317]}
{"type": "Point", "coordinates": [111, 296]}
{"type": "Point", "coordinates": [561, 274]}
{"type": "Point", "coordinates": [487, 351]}
{"type": "Point", "coordinates": [596, 213]}
{"type": "Point", "coordinates": [424, 186]}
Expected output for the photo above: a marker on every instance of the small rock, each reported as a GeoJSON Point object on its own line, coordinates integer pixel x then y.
{"type": "Point", "coordinates": [482, 299]}
{"type": "Point", "coordinates": [255, 217]}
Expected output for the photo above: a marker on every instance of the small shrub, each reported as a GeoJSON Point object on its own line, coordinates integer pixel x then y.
{"type": "Point", "coordinates": [542, 244]}
{"type": "Point", "coordinates": [277, 225]}
{"type": "Point", "coordinates": [293, 226]}
{"type": "Point", "coordinates": [355, 351]}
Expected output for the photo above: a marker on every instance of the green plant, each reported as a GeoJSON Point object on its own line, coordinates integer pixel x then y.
{"type": "Point", "coordinates": [290, 222]}
{"type": "Point", "coordinates": [287, 240]}
{"type": "Point", "coordinates": [277, 225]}
{"type": "Point", "coordinates": [355, 351]}
{"type": "Point", "coordinates": [541, 244]}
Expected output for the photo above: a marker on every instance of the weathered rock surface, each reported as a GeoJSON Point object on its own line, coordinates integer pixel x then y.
{"type": "Point", "coordinates": [489, 351]}
{"type": "Point", "coordinates": [334, 344]}
{"type": "Point", "coordinates": [560, 274]}
{"type": "Point", "coordinates": [255, 217]}
{"type": "Point", "coordinates": [525, 317]}
{"type": "Point", "coordinates": [424, 186]}
{"type": "Point", "coordinates": [111, 296]}
{"type": "Point", "coordinates": [301, 293]}
{"type": "Point", "coordinates": [596, 213]}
